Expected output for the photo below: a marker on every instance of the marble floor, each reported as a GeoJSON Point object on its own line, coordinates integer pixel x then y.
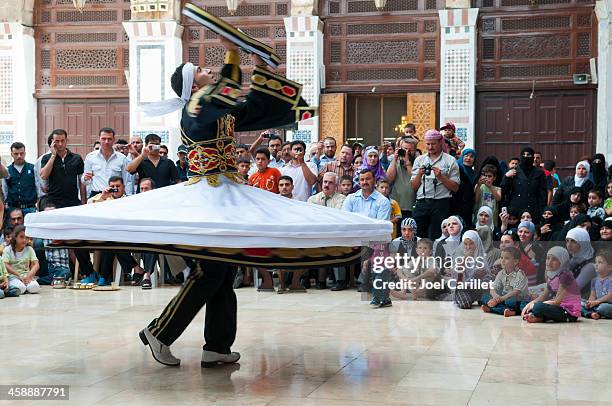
{"type": "Point", "coordinates": [315, 348]}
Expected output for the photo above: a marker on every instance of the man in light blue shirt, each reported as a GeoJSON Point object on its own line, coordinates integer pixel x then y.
{"type": "Point", "coordinates": [368, 201]}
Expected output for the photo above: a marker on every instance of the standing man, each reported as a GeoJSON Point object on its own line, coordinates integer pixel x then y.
{"type": "Point", "coordinates": [304, 174]}
{"type": "Point", "coordinates": [367, 201]}
{"type": "Point", "coordinates": [62, 170]}
{"type": "Point", "coordinates": [265, 178]}
{"type": "Point", "coordinates": [149, 164]}
{"type": "Point", "coordinates": [274, 145]}
{"type": "Point", "coordinates": [341, 167]}
{"type": "Point", "coordinates": [399, 174]}
{"type": "Point", "coordinates": [21, 182]}
{"type": "Point", "coordinates": [434, 177]}
{"type": "Point", "coordinates": [181, 164]}
{"type": "Point", "coordinates": [327, 147]}
{"type": "Point", "coordinates": [104, 163]}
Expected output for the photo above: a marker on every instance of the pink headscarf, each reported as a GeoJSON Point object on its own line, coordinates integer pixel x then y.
{"type": "Point", "coordinates": [434, 135]}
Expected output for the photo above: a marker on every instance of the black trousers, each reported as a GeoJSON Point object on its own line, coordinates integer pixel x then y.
{"type": "Point", "coordinates": [209, 284]}
{"type": "Point", "coordinates": [107, 258]}
{"type": "Point", "coordinates": [429, 214]}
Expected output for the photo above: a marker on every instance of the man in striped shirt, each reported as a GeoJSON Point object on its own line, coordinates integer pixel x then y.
{"type": "Point", "coordinates": [342, 166]}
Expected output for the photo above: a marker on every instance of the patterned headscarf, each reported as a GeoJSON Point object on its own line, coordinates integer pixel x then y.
{"type": "Point", "coordinates": [379, 172]}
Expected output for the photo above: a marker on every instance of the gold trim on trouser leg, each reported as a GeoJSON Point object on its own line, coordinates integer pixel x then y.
{"type": "Point", "coordinates": [162, 321]}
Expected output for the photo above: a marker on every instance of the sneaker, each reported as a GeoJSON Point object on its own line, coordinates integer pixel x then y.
{"type": "Point", "coordinates": [211, 358]}
{"type": "Point", "coordinates": [103, 282]}
{"type": "Point", "coordinates": [160, 351]}
{"type": "Point", "coordinates": [374, 304]}
{"type": "Point", "coordinates": [91, 278]}
{"type": "Point", "coordinates": [386, 303]}
{"type": "Point", "coordinates": [341, 285]}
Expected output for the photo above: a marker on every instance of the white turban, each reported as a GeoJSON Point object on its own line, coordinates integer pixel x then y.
{"type": "Point", "coordinates": [167, 106]}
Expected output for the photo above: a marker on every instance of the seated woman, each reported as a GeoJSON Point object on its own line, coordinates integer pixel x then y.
{"type": "Point", "coordinates": [560, 300]}
{"type": "Point", "coordinates": [568, 187]}
{"type": "Point", "coordinates": [531, 248]}
{"type": "Point", "coordinates": [549, 224]}
{"type": "Point", "coordinates": [581, 264]}
{"type": "Point", "coordinates": [484, 217]}
{"type": "Point", "coordinates": [485, 234]}
{"type": "Point", "coordinates": [449, 246]}
{"type": "Point", "coordinates": [473, 269]}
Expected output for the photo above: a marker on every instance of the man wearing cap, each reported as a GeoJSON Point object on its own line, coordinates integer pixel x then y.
{"type": "Point", "coordinates": [435, 176]}
{"type": "Point", "coordinates": [455, 145]}
{"type": "Point", "coordinates": [181, 163]}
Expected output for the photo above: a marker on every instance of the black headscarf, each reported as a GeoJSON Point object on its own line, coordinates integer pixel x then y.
{"type": "Point", "coordinates": [526, 163]}
{"type": "Point", "coordinates": [598, 170]}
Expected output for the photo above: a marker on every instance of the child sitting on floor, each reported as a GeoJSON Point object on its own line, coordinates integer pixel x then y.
{"type": "Point", "coordinates": [21, 262]}
{"type": "Point", "coordinates": [599, 304]}
{"type": "Point", "coordinates": [560, 300]}
{"type": "Point", "coordinates": [509, 291]}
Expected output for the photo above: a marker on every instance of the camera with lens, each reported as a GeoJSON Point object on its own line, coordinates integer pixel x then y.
{"type": "Point", "coordinates": [428, 168]}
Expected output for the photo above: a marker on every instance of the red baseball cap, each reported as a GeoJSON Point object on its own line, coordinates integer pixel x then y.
{"type": "Point", "coordinates": [448, 126]}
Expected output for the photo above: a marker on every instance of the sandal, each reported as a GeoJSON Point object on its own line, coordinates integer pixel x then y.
{"type": "Point", "coordinates": [137, 278]}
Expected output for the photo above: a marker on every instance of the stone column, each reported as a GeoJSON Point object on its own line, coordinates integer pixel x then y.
{"type": "Point", "coordinates": [305, 66]}
{"type": "Point", "coordinates": [603, 9]}
{"type": "Point", "coordinates": [156, 50]}
{"type": "Point", "coordinates": [18, 107]}
{"type": "Point", "coordinates": [458, 70]}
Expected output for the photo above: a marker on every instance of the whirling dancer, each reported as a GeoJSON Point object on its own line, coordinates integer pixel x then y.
{"type": "Point", "coordinates": [203, 218]}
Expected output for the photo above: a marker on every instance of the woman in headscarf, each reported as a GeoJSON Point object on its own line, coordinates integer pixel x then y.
{"type": "Point", "coordinates": [406, 244]}
{"type": "Point", "coordinates": [484, 217]}
{"type": "Point", "coordinates": [606, 230]}
{"type": "Point", "coordinates": [599, 174]}
{"type": "Point", "coordinates": [549, 224]}
{"type": "Point", "coordinates": [486, 236]}
{"type": "Point", "coordinates": [581, 221]}
{"type": "Point", "coordinates": [576, 195]}
{"type": "Point", "coordinates": [560, 300]}
{"type": "Point", "coordinates": [371, 161]}
{"type": "Point", "coordinates": [581, 264]}
{"type": "Point", "coordinates": [580, 179]}
{"type": "Point", "coordinates": [470, 268]}
{"type": "Point", "coordinates": [444, 227]}
{"type": "Point", "coordinates": [462, 201]}
{"type": "Point", "coordinates": [449, 247]}
{"type": "Point", "coordinates": [526, 233]}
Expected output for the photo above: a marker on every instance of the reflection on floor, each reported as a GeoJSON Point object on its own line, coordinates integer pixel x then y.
{"type": "Point", "coordinates": [318, 348]}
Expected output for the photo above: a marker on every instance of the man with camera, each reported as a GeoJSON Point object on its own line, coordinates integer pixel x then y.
{"type": "Point", "coordinates": [149, 164]}
{"type": "Point", "coordinates": [434, 177]}
{"type": "Point", "coordinates": [274, 145]}
{"type": "Point", "coordinates": [400, 172]}
{"type": "Point", "coordinates": [115, 190]}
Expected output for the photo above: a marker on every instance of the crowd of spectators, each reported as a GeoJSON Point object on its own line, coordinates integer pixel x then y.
{"type": "Point", "coordinates": [542, 237]}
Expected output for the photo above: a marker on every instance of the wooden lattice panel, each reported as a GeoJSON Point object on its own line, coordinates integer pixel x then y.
{"type": "Point", "coordinates": [331, 116]}
{"type": "Point", "coordinates": [421, 111]}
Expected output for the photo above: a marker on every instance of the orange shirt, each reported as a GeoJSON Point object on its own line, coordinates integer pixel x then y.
{"type": "Point", "coordinates": [266, 180]}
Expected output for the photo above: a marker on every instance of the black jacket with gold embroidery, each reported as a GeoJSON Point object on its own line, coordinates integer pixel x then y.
{"type": "Point", "coordinates": [216, 111]}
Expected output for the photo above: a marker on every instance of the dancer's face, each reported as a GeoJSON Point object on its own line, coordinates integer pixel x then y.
{"type": "Point", "coordinates": [202, 77]}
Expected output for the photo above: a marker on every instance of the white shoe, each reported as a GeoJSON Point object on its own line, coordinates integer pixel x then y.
{"type": "Point", "coordinates": [160, 351]}
{"type": "Point", "coordinates": [211, 358]}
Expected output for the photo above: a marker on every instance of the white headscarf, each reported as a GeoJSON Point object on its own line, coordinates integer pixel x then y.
{"type": "Point", "coordinates": [489, 211]}
{"type": "Point", "coordinates": [480, 253]}
{"type": "Point", "coordinates": [581, 236]}
{"type": "Point", "coordinates": [578, 181]}
{"type": "Point", "coordinates": [562, 255]}
{"type": "Point", "coordinates": [456, 237]}
{"type": "Point", "coordinates": [167, 106]}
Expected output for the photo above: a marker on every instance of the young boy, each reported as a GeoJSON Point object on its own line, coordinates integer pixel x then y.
{"type": "Point", "coordinates": [599, 304]}
{"type": "Point", "coordinates": [486, 194]}
{"type": "Point", "coordinates": [384, 188]}
{"type": "Point", "coordinates": [455, 144]}
{"type": "Point", "coordinates": [346, 185]}
{"type": "Point", "coordinates": [244, 165]}
{"type": "Point", "coordinates": [596, 209]}
{"type": "Point", "coordinates": [576, 209]}
{"type": "Point", "coordinates": [58, 260]}
{"type": "Point", "coordinates": [509, 293]}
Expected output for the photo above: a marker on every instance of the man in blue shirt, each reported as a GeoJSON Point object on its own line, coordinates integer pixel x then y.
{"type": "Point", "coordinates": [368, 201]}
{"type": "Point", "coordinates": [21, 183]}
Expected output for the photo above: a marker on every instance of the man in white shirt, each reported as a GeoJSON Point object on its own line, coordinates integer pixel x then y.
{"type": "Point", "coordinates": [101, 165]}
{"type": "Point", "coordinates": [304, 174]}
